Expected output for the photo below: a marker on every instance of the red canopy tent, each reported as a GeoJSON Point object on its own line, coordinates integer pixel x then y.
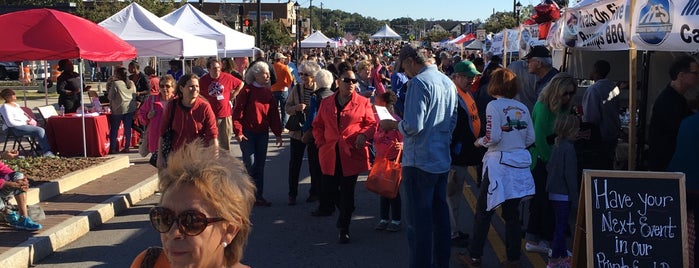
{"type": "Point", "coordinates": [47, 34]}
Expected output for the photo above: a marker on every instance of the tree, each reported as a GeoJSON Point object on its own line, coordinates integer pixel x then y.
{"type": "Point", "coordinates": [274, 34]}
{"type": "Point", "coordinates": [500, 20]}
{"type": "Point", "coordinates": [436, 36]}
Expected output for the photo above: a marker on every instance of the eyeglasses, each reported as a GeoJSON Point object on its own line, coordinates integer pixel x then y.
{"type": "Point", "coordinates": [164, 86]}
{"type": "Point", "coordinates": [350, 80]}
{"type": "Point", "coordinates": [189, 222]}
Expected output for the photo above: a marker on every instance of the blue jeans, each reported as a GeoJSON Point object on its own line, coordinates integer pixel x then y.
{"type": "Point", "coordinates": [561, 210]}
{"type": "Point", "coordinates": [280, 98]}
{"type": "Point", "coordinates": [427, 217]}
{"type": "Point", "coordinates": [38, 133]}
{"type": "Point", "coordinates": [254, 151]}
{"type": "Point", "coordinates": [114, 130]}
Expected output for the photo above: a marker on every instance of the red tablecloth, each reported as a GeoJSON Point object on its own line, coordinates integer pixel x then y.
{"type": "Point", "coordinates": [65, 135]}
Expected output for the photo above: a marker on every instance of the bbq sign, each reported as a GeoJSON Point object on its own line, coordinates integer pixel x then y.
{"type": "Point", "coordinates": [598, 26]}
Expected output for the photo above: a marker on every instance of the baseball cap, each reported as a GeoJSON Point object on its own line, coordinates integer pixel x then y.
{"type": "Point", "coordinates": [279, 55]}
{"type": "Point", "coordinates": [538, 52]}
{"type": "Point", "coordinates": [62, 63]}
{"type": "Point", "coordinates": [466, 67]}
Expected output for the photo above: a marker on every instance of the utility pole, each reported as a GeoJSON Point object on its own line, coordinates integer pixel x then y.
{"type": "Point", "coordinates": [310, 17]}
{"type": "Point", "coordinates": [321, 16]}
{"type": "Point", "coordinates": [258, 39]}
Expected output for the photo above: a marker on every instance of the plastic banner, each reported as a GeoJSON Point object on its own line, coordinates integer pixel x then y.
{"type": "Point", "coordinates": [600, 25]}
{"type": "Point", "coordinates": [498, 47]}
{"type": "Point", "coordinates": [664, 25]}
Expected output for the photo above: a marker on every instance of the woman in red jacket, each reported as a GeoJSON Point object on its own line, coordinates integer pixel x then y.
{"type": "Point", "coordinates": [344, 123]}
{"type": "Point", "coordinates": [190, 117]}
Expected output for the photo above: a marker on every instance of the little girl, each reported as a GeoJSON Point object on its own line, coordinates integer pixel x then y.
{"type": "Point", "coordinates": [388, 143]}
{"type": "Point", "coordinates": [562, 185]}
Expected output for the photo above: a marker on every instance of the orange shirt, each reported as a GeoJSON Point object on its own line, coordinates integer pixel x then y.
{"type": "Point", "coordinates": [472, 110]}
{"type": "Point", "coordinates": [284, 77]}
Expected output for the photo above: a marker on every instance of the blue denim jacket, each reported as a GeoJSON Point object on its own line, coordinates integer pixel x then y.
{"type": "Point", "coordinates": [428, 121]}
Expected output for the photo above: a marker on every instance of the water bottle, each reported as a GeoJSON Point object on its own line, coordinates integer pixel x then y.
{"type": "Point", "coordinates": [62, 111]}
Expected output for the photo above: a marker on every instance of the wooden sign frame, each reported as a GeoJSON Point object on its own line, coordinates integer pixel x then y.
{"type": "Point", "coordinates": [584, 238]}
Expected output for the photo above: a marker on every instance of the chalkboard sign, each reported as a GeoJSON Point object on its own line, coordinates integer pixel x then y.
{"type": "Point", "coordinates": [635, 219]}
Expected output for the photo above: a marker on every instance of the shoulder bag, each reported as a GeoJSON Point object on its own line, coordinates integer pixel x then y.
{"type": "Point", "coordinates": [295, 121]}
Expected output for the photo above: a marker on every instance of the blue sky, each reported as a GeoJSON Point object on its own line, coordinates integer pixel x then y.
{"type": "Point", "coordinates": [416, 9]}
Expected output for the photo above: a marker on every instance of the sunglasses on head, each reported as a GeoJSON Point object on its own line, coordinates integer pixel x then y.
{"type": "Point", "coordinates": [349, 80]}
{"type": "Point", "coordinates": [189, 222]}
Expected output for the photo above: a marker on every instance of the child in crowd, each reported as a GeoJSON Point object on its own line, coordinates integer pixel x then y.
{"type": "Point", "coordinates": [562, 185]}
{"type": "Point", "coordinates": [387, 144]}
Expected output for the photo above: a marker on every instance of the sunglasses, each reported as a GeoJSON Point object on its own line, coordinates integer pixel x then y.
{"type": "Point", "coordinates": [350, 80]}
{"type": "Point", "coordinates": [569, 93]}
{"type": "Point", "coordinates": [305, 74]}
{"type": "Point", "coordinates": [189, 222]}
{"type": "Point", "coordinates": [164, 86]}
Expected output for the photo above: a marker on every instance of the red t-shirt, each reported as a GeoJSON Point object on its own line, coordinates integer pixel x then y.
{"type": "Point", "coordinates": [218, 92]}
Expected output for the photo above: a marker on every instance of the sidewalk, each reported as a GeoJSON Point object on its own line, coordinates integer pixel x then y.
{"type": "Point", "coordinates": [71, 214]}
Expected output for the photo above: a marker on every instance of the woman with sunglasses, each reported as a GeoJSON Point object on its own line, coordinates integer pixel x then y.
{"type": "Point", "coordinates": [203, 216]}
{"type": "Point", "coordinates": [151, 111]}
{"type": "Point", "coordinates": [344, 124]}
{"type": "Point", "coordinates": [553, 101]}
{"type": "Point", "coordinates": [298, 101]}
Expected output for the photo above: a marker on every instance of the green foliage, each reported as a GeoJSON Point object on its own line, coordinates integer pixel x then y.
{"type": "Point", "coordinates": [274, 34]}
{"type": "Point", "coordinates": [499, 21]}
{"type": "Point", "coordinates": [436, 36]}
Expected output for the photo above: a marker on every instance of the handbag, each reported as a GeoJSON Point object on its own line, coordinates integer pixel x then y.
{"type": "Point", "coordinates": [166, 139]}
{"type": "Point", "coordinates": [295, 121]}
{"type": "Point", "coordinates": [143, 148]}
{"type": "Point", "coordinates": [385, 176]}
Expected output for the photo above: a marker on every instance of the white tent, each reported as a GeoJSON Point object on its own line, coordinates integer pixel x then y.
{"type": "Point", "coordinates": [386, 32]}
{"type": "Point", "coordinates": [153, 36]}
{"type": "Point", "coordinates": [231, 43]}
{"type": "Point", "coordinates": [317, 39]}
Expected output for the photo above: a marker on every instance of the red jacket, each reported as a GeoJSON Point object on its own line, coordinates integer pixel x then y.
{"type": "Point", "coordinates": [191, 123]}
{"type": "Point", "coordinates": [256, 110]}
{"type": "Point", "coordinates": [356, 118]}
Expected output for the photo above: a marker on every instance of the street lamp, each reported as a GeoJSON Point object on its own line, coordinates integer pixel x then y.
{"type": "Point", "coordinates": [336, 31]}
{"type": "Point", "coordinates": [517, 9]}
{"type": "Point", "coordinates": [297, 9]}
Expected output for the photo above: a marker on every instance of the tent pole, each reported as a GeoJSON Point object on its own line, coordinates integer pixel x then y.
{"type": "Point", "coordinates": [633, 76]}
{"type": "Point", "coordinates": [82, 105]}
{"type": "Point", "coordinates": [47, 76]}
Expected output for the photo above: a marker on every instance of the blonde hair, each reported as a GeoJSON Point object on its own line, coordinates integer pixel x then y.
{"type": "Point", "coordinates": [553, 92]}
{"type": "Point", "coordinates": [364, 65]}
{"type": "Point", "coordinates": [222, 182]}
{"type": "Point", "coordinates": [566, 127]}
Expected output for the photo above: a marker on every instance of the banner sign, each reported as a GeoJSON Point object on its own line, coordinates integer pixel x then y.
{"type": "Point", "coordinates": [666, 25]}
{"type": "Point", "coordinates": [498, 46]}
{"type": "Point", "coordinates": [600, 25]}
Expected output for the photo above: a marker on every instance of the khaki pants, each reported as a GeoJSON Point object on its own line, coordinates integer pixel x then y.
{"type": "Point", "coordinates": [225, 131]}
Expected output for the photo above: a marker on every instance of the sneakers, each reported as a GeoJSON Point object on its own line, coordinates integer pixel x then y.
{"type": "Point", "coordinates": [467, 261]}
{"type": "Point", "coordinates": [394, 226]}
{"type": "Point", "coordinates": [27, 224]}
{"type": "Point", "coordinates": [12, 218]}
{"type": "Point", "coordinates": [381, 225]}
{"type": "Point", "coordinates": [343, 237]}
{"type": "Point", "coordinates": [559, 263]}
{"type": "Point", "coordinates": [48, 154]}
{"type": "Point", "coordinates": [542, 247]}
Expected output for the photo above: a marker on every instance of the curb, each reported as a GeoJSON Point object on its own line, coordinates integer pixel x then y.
{"type": "Point", "coordinates": [46, 242]}
{"type": "Point", "coordinates": [75, 179]}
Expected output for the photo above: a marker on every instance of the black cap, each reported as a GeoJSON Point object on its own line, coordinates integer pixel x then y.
{"type": "Point", "coordinates": [538, 52]}
{"type": "Point", "coordinates": [62, 63]}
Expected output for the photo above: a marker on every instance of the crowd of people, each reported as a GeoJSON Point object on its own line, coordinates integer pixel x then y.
{"type": "Point", "coordinates": [516, 126]}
